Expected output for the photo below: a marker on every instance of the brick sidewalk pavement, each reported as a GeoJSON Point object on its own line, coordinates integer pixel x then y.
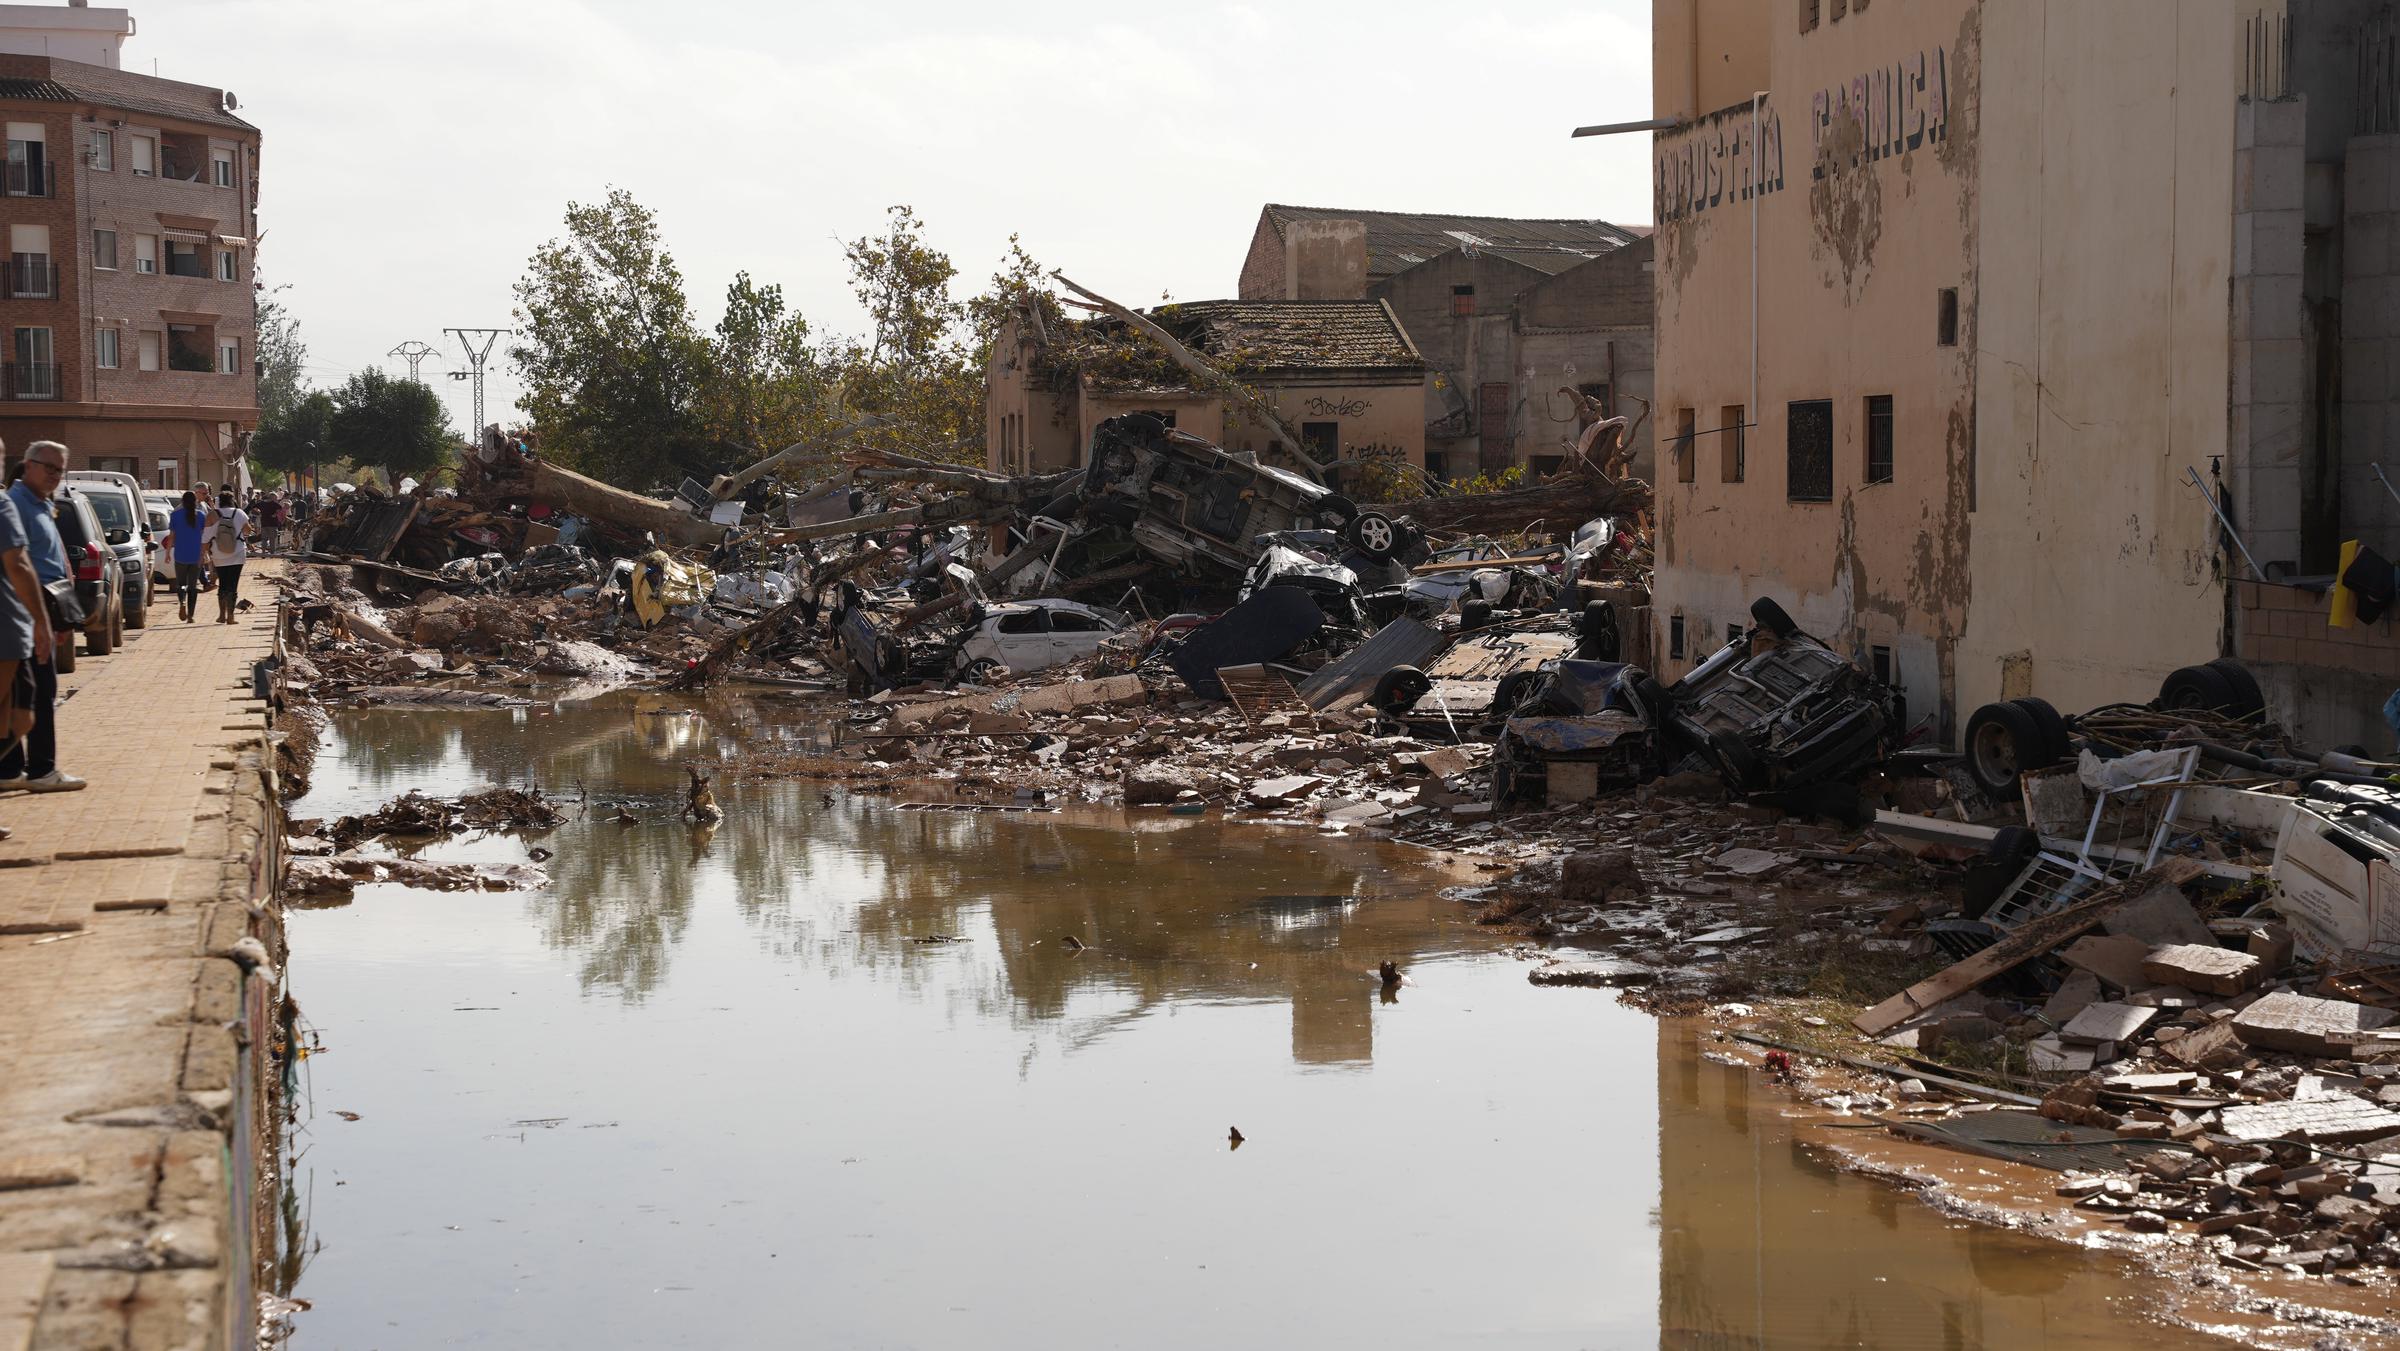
{"type": "Point", "coordinates": [118, 1028]}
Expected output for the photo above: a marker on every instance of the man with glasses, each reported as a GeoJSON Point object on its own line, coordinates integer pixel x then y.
{"type": "Point", "coordinates": [33, 765]}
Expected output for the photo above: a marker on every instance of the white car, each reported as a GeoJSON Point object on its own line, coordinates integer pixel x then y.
{"type": "Point", "coordinates": [1032, 635]}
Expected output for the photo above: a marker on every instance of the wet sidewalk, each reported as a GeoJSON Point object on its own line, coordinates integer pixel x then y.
{"type": "Point", "coordinates": [121, 1038]}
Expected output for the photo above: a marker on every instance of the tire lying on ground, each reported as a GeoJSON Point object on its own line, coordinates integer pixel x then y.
{"type": "Point", "coordinates": [2054, 728]}
{"type": "Point", "coordinates": [2221, 686]}
{"type": "Point", "coordinates": [1511, 692]}
{"type": "Point", "coordinates": [1399, 689]}
{"type": "Point", "coordinates": [1773, 618]}
{"type": "Point", "coordinates": [2005, 740]}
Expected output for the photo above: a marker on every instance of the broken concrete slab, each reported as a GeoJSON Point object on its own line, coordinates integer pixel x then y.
{"type": "Point", "coordinates": [2048, 1055]}
{"type": "Point", "coordinates": [2105, 1022]}
{"type": "Point", "coordinates": [2203, 966]}
{"type": "Point", "coordinates": [1751, 862]}
{"type": "Point", "coordinates": [2284, 1021]}
{"type": "Point", "coordinates": [2079, 989]}
{"type": "Point", "coordinates": [2115, 960]}
{"type": "Point", "coordinates": [1267, 792]}
{"type": "Point", "coordinates": [2159, 915]}
{"type": "Point", "coordinates": [1106, 691]}
{"type": "Point", "coordinates": [2213, 1047]}
{"type": "Point", "coordinates": [2324, 1120]}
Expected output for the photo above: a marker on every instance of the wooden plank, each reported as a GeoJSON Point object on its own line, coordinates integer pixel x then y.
{"type": "Point", "coordinates": [2031, 940]}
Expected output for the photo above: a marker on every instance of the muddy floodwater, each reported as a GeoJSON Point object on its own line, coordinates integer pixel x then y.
{"type": "Point", "coordinates": [833, 1076]}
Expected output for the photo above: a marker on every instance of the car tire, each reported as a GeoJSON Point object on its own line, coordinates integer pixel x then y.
{"type": "Point", "coordinates": [1375, 535]}
{"type": "Point", "coordinates": [2197, 687]}
{"type": "Point", "coordinates": [2248, 699]}
{"type": "Point", "coordinates": [116, 625]}
{"type": "Point", "coordinates": [1510, 693]}
{"type": "Point", "coordinates": [1772, 618]}
{"type": "Point", "coordinates": [2003, 741]}
{"type": "Point", "coordinates": [1475, 614]}
{"type": "Point", "coordinates": [62, 658]}
{"type": "Point", "coordinates": [1734, 762]}
{"type": "Point", "coordinates": [2054, 728]}
{"type": "Point", "coordinates": [981, 671]}
{"type": "Point", "coordinates": [1399, 689]}
{"type": "Point", "coordinates": [1340, 508]}
{"type": "Point", "coordinates": [137, 613]}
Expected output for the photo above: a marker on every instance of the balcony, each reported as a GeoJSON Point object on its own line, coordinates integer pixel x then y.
{"type": "Point", "coordinates": [30, 178]}
{"type": "Point", "coordinates": [29, 380]}
{"type": "Point", "coordinates": [29, 279]}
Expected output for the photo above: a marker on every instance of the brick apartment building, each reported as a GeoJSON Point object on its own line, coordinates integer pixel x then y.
{"type": "Point", "coordinates": [128, 317]}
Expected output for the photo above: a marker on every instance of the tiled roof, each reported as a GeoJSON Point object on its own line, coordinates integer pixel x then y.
{"type": "Point", "coordinates": [1267, 335]}
{"type": "Point", "coordinates": [1397, 240]}
{"type": "Point", "coordinates": [48, 91]}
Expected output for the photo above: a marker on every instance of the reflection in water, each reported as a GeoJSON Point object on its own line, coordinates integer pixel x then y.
{"type": "Point", "coordinates": [836, 1074]}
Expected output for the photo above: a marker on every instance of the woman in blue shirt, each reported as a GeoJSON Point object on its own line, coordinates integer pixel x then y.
{"type": "Point", "coordinates": [187, 533]}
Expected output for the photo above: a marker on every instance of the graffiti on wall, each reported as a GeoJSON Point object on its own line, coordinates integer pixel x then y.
{"type": "Point", "coordinates": [1321, 407]}
{"type": "Point", "coordinates": [1901, 106]}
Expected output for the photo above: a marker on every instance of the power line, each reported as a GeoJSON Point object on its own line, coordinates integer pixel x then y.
{"type": "Point", "coordinates": [414, 353]}
{"type": "Point", "coordinates": [475, 358]}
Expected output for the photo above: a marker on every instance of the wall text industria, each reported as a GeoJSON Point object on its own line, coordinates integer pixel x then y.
{"type": "Point", "coordinates": [1890, 110]}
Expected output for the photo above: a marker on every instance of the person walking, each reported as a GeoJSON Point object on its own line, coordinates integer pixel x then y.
{"type": "Point", "coordinates": [227, 551]}
{"type": "Point", "coordinates": [187, 538]}
{"type": "Point", "coordinates": [33, 763]}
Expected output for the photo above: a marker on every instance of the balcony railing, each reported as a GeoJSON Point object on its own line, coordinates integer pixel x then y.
{"type": "Point", "coordinates": [29, 380]}
{"type": "Point", "coordinates": [31, 279]}
{"type": "Point", "coordinates": [191, 265]}
{"type": "Point", "coordinates": [27, 179]}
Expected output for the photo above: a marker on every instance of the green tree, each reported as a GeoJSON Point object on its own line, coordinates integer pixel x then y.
{"type": "Point", "coordinates": [764, 388]}
{"type": "Point", "coordinates": [282, 359]}
{"type": "Point", "coordinates": [297, 439]}
{"type": "Point", "coordinates": [914, 375]}
{"type": "Point", "coordinates": [399, 425]}
{"type": "Point", "coordinates": [612, 364]}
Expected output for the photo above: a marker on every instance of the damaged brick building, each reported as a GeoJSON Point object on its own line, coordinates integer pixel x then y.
{"type": "Point", "coordinates": [1510, 314]}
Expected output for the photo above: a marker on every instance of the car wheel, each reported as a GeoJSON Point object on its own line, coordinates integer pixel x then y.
{"type": "Point", "coordinates": [2248, 699]}
{"type": "Point", "coordinates": [137, 610]}
{"type": "Point", "coordinates": [116, 625]}
{"type": "Point", "coordinates": [981, 671]}
{"type": "Point", "coordinates": [1772, 618]}
{"type": "Point", "coordinates": [1475, 614]}
{"type": "Point", "coordinates": [1399, 689]}
{"type": "Point", "coordinates": [2197, 687]}
{"type": "Point", "coordinates": [1341, 510]}
{"type": "Point", "coordinates": [2054, 728]}
{"type": "Point", "coordinates": [1511, 693]}
{"type": "Point", "coordinates": [62, 658]}
{"type": "Point", "coordinates": [1376, 535]}
{"type": "Point", "coordinates": [2003, 741]}
{"type": "Point", "coordinates": [1734, 762]}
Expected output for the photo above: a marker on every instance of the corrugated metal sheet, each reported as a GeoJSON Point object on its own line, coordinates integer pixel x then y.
{"type": "Point", "coordinates": [2028, 1137]}
{"type": "Point", "coordinates": [1403, 642]}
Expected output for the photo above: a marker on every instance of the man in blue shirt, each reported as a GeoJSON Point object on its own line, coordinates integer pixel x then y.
{"type": "Point", "coordinates": [33, 765]}
{"type": "Point", "coordinates": [24, 628]}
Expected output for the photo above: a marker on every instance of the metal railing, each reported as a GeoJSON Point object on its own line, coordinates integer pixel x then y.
{"type": "Point", "coordinates": [28, 179]}
{"type": "Point", "coordinates": [29, 380]}
{"type": "Point", "coordinates": [34, 279]}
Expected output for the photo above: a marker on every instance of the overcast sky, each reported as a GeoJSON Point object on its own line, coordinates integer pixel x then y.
{"type": "Point", "coordinates": [416, 154]}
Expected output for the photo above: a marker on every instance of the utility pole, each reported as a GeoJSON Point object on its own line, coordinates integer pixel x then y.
{"type": "Point", "coordinates": [414, 353]}
{"type": "Point", "coordinates": [467, 338]}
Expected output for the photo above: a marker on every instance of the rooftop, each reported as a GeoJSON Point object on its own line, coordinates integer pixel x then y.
{"type": "Point", "coordinates": [1397, 240]}
{"type": "Point", "coordinates": [1247, 338]}
{"type": "Point", "coordinates": [53, 79]}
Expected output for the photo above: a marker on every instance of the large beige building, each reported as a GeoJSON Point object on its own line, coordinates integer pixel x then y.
{"type": "Point", "coordinates": [1943, 322]}
{"type": "Point", "coordinates": [130, 206]}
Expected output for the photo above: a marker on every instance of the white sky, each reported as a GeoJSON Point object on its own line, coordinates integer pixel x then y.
{"type": "Point", "coordinates": [416, 154]}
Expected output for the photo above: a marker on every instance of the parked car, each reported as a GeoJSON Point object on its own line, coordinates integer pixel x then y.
{"type": "Point", "coordinates": [1030, 636]}
{"type": "Point", "coordinates": [126, 527]}
{"type": "Point", "coordinates": [162, 557]}
{"type": "Point", "coordinates": [98, 582]}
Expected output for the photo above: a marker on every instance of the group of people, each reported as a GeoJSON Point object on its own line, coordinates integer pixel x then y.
{"type": "Point", "coordinates": [208, 546]}
{"type": "Point", "coordinates": [33, 559]}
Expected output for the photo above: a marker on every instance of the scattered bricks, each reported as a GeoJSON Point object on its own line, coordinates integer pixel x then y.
{"type": "Point", "coordinates": [2321, 1120]}
{"type": "Point", "coordinates": [2170, 1165]}
{"type": "Point", "coordinates": [1154, 784]}
{"type": "Point", "coordinates": [2230, 1220]}
{"type": "Point", "coordinates": [2149, 1083]}
{"type": "Point", "coordinates": [2272, 945]}
{"type": "Point", "coordinates": [2142, 1130]}
{"type": "Point", "coordinates": [2101, 1023]}
{"type": "Point", "coordinates": [1267, 792]}
{"type": "Point", "coordinates": [2284, 1021]}
{"type": "Point", "coordinates": [2345, 1209]}
{"type": "Point", "coordinates": [2197, 966]}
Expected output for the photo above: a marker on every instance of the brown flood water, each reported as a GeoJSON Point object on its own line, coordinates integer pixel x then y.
{"type": "Point", "coordinates": [721, 1091]}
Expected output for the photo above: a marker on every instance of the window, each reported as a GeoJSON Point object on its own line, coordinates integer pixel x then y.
{"type": "Point", "coordinates": [1879, 438]}
{"type": "Point", "coordinates": [1024, 621]}
{"type": "Point", "coordinates": [145, 156]}
{"type": "Point", "coordinates": [145, 254]}
{"type": "Point", "coordinates": [104, 348]}
{"type": "Point", "coordinates": [1067, 621]}
{"type": "Point", "coordinates": [1880, 659]}
{"type": "Point", "coordinates": [1945, 322]}
{"type": "Point", "coordinates": [1808, 16]}
{"type": "Point", "coordinates": [1323, 439]}
{"type": "Point", "coordinates": [184, 259]}
{"type": "Point", "coordinates": [1736, 463]}
{"type": "Point", "coordinates": [35, 374]}
{"type": "Point", "coordinates": [1840, 8]}
{"type": "Point", "coordinates": [149, 349]}
{"type": "Point", "coordinates": [223, 165]}
{"type": "Point", "coordinates": [170, 475]}
{"type": "Point", "coordinates": [229, 357]}
{"type": "Point", "coordinates": [1687, 469]}
{"type": "Point", "coordinates": [118, 464]}
{"type": "Point", "coordinates": [101, 150]}
{"type": "Point", "coordinates": [1675, 638]}
{"type": "Point", "coordinates": [104, 250]}
{"type": "Point", "coordinates": [1808, 450]}
{"type": "Point", "coordinates": [225, 266]}
{"type": "Point", "coordinates": [1462, 300]}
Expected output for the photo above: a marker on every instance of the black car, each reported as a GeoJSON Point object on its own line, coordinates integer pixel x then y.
{"type": "Point", "coordinates": [99, 580]}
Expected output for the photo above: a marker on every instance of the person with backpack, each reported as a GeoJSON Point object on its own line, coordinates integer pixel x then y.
{"type": "Point", "coordinates": [227, 551]}
{"type": "Point", "coordinates": [187, 537]}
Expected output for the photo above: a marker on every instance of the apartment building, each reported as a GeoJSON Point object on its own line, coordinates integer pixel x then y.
{"type": "Point", "coordinates": [1945, 301]}
{"type": "Point", "coordinates": [127, 304]}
